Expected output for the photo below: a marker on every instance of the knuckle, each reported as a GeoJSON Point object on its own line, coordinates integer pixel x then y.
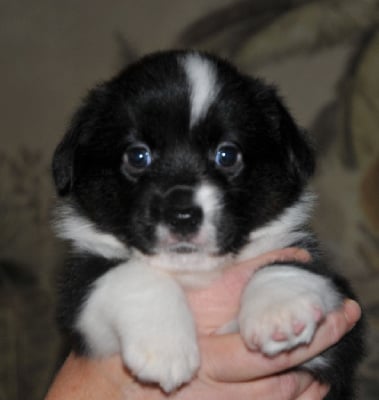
{"type": "Point", "coordinates": [315, 392]}
{"type": "Point", "coordinates": [288, 385]}
{"type": "Point", "coordinates": [283, 361]}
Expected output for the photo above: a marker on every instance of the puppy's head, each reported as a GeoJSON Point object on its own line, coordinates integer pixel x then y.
{"type": "Point", "coordinates": [182, 156]}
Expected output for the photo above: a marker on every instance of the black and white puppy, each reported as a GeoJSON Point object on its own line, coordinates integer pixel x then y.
{"type": "Point", "coordinates": [170, 173]}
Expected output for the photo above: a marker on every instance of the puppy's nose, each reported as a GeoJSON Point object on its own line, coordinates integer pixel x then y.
{"type": "Point", "coordinates": [183, 220]}
{"type": "Point", "coordinates": [180, 212]}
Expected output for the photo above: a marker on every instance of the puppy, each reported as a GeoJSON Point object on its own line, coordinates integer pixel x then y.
{"type": "Point", "coordinates": [170, 173]}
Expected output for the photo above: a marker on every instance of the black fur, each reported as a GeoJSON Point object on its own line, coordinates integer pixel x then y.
{"type": "Point", "coordinates": [344, 357]}
{"type": "Point", "coordinates": [148, 102]}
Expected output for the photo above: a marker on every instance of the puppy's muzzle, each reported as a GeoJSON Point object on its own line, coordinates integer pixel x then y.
{"type": "Point", "coordinates": [179, 211]}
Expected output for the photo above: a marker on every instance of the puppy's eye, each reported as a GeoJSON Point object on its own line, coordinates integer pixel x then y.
{"type": "Point", "coordinates": [137, 158]}
{"type": "Point", "coordinates": [228, 156]}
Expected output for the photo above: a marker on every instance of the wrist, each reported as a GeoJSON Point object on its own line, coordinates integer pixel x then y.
{"type": "Point", "coordinates": [81, 378]}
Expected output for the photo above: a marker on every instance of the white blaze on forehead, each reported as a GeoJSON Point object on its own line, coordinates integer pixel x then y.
{"type": "Point", "coordinates": [202, 77]}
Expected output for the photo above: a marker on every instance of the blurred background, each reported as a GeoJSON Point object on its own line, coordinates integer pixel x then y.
{"type": "Point", "coordinates": [324, 57]}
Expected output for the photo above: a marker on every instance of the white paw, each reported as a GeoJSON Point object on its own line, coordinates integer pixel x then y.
{"type": "Point", "coordinates": [143, 315]}
{"type": "Point", "coordinates": [169, 360]}
{"type": "Point", "coordinates": [280, 312]}
{"type": "Point", "coordinates": [273, 327]}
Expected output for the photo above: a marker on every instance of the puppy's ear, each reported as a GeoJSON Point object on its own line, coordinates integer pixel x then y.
{"type": "Point", "coordinates": [79, 132]}
{"type": "Point", "coordinates": [63, 162]}
{"type": "Point", "coordinates": [64, 155]}
{"type": "Point", "coordinates": [299, 150]}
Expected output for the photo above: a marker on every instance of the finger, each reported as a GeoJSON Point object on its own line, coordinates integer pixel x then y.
{"type": "Point", "coordinates": [279, 255]}
{"type": "Point", "coordinates": [271, 257]}
{"type": "Point", "coordinates": [316, 391]}
{"type": "Point", "coordinates": [242, 271]}
{"type": "Point", "coordinates": [222, 352]}
{"type": "Point", "coordinates": [288, 386]}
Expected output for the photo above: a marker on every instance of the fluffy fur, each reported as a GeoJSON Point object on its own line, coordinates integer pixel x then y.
{"type": "Point", "coordinates": [168, 174]}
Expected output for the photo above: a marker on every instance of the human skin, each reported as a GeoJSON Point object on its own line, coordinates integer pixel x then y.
{"type": "Point", "coordinates": [228, 369]}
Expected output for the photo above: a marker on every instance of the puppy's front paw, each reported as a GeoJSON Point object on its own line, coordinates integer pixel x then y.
{"type": "Point", "coordinates": [282, 308]}
{"type": "Point", "coordinates": [274, 325]}
{"type": "Point", "coordinates": [168, 359]}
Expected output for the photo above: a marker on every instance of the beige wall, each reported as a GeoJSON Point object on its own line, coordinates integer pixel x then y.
{"type": "Point", "coordinates": [53, 51]}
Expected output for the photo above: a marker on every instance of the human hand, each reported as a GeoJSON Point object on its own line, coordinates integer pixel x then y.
{"type": "Point", "coordinates": [232, 370]}
{"type": "Point", "coordinates": [239, 373]}
{"type": "Point", "coordinates": [228, 369]}
{"type": "Point", "coordinates": [218, 303]}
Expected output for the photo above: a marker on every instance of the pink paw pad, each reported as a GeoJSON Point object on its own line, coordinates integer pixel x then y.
{"type": "Point", "coordinates": [298, 327]}
{"type": "Point", "coordinates": [318, 314]}
{"type": "Point", "coordinates": [279, 336]}
{"type": "Point", "coordinates": [254, 343]}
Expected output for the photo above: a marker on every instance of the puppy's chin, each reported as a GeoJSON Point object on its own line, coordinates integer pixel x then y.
{"type": "Point", "coordinates": [193, 262]}
{"type": "Point", "coordinates": [191, 269]}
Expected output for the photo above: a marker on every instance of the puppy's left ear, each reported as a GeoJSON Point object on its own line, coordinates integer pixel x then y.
{"type": "Point", "coordinates": [297, 145]}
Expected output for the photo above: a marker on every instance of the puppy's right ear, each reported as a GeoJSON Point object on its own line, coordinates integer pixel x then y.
{"type": "Point", "coordinates": [64, 155]}
{"type": "Point", "coordinates": [63, 163]}
{"type": "Point", "coordinates": [79, 132]}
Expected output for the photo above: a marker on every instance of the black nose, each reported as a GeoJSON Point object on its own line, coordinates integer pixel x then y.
{"type": "Point", "coordinates": [180, 212]}
{"type": "Point", "coordinates": [183, 220]}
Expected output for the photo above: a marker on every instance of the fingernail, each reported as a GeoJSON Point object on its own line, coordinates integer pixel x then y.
{"type": "Point", "coordinates": [324, 390]}
{"type": "Point", "coordinates": [302, 255]}
{"type": "Point", "coordinates": [352, 311]}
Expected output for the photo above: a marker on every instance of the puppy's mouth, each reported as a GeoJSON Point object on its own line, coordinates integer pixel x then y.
{"type": "Point", "coordinates": [183, 248]}
{"type": "Point", "coordinates": [174, 243]}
